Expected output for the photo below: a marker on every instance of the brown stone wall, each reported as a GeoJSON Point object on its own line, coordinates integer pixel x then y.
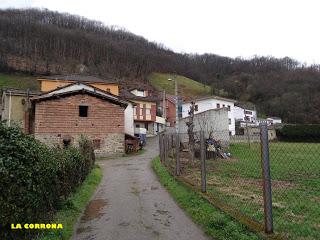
{"type": "Point", "coordinates": [59, 119]}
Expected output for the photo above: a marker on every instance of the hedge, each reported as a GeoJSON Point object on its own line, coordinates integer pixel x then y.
{"type": "Point", "coordinates": [300, 132]}
{"type": "Point", "coordinates": [34, 179]}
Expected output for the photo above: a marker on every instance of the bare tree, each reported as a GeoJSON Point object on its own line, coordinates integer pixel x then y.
{"type": "Point", "coordinates": [190, 126]}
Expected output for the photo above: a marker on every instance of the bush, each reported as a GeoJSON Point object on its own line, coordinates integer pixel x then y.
{"type": "Point", "coordinates": [300, 132]}
{"type": "Point", "coordinates": [87, 150]}
{"type": "Point", "coordinates": [34, 179]}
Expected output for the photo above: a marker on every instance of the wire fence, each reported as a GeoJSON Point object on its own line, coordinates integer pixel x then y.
{"type": "Point", "coordinates": [269, 185]}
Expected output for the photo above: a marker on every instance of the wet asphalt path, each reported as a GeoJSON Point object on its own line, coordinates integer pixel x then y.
{"type": "Point", "coordinates": [130, 203]}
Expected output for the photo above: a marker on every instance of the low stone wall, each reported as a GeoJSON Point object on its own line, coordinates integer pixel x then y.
{"type": "Point", "coordinates": [111, 144]}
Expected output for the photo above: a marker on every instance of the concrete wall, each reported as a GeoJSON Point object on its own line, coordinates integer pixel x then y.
{"type": "Point", "coordinates": [215, 121]}
{"type": "Point", "coordinates": [209, 104]}
{"type": "Point", "coordinates": [59, 119]}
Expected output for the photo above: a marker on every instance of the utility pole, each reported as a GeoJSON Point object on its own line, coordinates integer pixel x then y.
{"type": "Point", "coordinates": [164, 109]}
{"type": "Point", "coordinates": [177, 104]}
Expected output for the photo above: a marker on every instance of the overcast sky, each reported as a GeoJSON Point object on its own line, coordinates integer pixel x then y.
{"type": "Point", "coordinates": [227, 27]}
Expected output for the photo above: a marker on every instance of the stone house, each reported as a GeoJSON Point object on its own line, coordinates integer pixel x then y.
{"type": "Point", "coordinates": [62, 115]}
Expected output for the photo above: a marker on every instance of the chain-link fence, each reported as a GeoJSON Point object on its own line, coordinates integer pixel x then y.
{"type": "Point", "coordinates": [269, 185]}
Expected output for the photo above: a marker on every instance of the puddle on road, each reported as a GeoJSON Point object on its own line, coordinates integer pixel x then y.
{"type": "Point", "coordinates": [93, 210]}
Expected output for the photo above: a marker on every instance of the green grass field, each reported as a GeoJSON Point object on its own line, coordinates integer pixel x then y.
{"type": "Point", "coordinates": [18, 80]}
{"type": "Point", "coordinates": [295, 172]}
{"type": "Point", "coordinates": [186, 86]}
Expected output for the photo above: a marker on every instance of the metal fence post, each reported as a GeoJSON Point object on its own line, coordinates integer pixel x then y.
{"type": "Point", "coordinates": [265, 163]}
{"type": "Point", "coordinates": [177, 154]}
{"type": "Point", "coordinates": [203, 162]}
{"type": "Point", "coordinates": [160, 147]}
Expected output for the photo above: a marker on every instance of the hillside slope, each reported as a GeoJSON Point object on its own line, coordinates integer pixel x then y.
{"type": "Point", "coordinates": [18, 80]}
{"type": "Point", "coordinates": [186, 86]}
{"type": "Point", "coordinates": [45, 42]}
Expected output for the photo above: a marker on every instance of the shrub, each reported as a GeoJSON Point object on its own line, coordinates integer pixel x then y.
{"type": "Point", "coordinates": [300, 132]}
{"type": "Point", "coordinates": [87, 150]}
{"type": "Point", "coordinates": [34, 179]}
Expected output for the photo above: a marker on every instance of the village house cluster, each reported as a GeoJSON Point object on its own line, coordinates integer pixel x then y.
{"type": "Point", "coordinates": [71, 105]}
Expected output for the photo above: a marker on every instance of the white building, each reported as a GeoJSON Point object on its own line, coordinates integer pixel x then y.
{"type": "Point", "coordinates": [245, 115]}
{"type": "Point", "coordinates": [274, 120]}
{"type": "Point", "coordinates": [213, 102]}
{"type": "Point", "coordinates": [128, 119]}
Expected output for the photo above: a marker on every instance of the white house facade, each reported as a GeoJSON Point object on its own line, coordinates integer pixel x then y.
{"type": "Point", "coordinates": [128, 119]}
{"type": "Point", "coordinates": [246, 115]}
{"type": "Point", "coordinates": [213, 102]}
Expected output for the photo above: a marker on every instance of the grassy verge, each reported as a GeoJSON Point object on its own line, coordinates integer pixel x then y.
{"type": "Point", "coordinates": [215, 223]}
{"type": "Point", "coordinates": [73, 206]}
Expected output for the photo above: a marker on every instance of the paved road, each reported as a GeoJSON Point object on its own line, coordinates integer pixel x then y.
{"type": "Point", "coordinates": [131, 204]}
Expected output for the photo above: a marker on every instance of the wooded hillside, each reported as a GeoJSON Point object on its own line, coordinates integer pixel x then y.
{"type": "Point", "coordinates": [46, 42]}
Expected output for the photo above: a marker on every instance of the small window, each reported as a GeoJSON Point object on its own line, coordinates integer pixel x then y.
{"type": "Point", "coordinates": [223, 105]}
{"type": "Point", "coordinates": [196, 108]}
{"type": "Point", "coordinates": [229, 121]}
{"type": "Point", "coordinates": [83, 111]}
{"type": "Point", "coordinates": [66, 142]}
{"type": "Point", "coordinates": [229, 108]}
{"type": "Point", "coordinates": [218, 105]}
{"type": "Point", "coordinates": [146, 125]}
{"type": "Point", "coordinates": [108, 90]}
{"type": "Point", "coordinates": [137, 125]}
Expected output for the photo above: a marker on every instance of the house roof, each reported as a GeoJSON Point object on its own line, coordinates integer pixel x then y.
{"type": "Point", "coordinates": [18, 91]}
{"type": "Point", "coordinates": [130, 96]}
{"type": "Point", "coordinates": [82, 88]}
{"type": "Point", "coordinates": [77, 78]}
{"type": "Point", "coordinates": [212, 97]}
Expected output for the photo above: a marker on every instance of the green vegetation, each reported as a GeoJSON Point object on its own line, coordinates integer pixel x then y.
{"type": "Point", "coordinates": [214, 222]}
{"type": "Point", "coordinates": [73, 207]}
{"type": "Point", "coordinates": [35, 179]}
{"type": "Point", "coordinates": [186, 86]}
{"type": "Point", "coordinates": [18, 80]}
{"type": "Point", "coordinates": [300, 132]}
{"type": "Point", "coordinates": [295, 171]}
